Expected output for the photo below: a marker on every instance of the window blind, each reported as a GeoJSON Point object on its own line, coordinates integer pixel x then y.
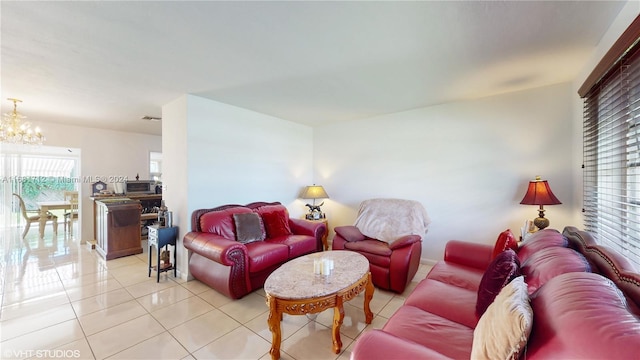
{"type": "Point", "coordinates": [611, 165]}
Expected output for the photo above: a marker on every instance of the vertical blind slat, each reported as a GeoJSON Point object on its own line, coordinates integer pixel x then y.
{"type": "Point", "coordinates": [611, 138]}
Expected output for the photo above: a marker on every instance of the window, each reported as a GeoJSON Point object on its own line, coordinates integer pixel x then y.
{"type": "Point", "coordinates": [39, 173]}
{"type": "Point", "coordinates": [612, 154]}
{"type": "Point", "coordinates": [155, 166]}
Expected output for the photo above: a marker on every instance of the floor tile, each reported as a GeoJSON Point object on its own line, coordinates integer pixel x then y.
{"type": "Point", "coordinates": [44, 339]}
{"type": "Point", "coordinates": [162, 346]}
{"type": "Point", "coordinates": [197, 287]}
{"type": "Point", "coordinates": [353, 323]}
{"type": "Point", "coordinates": [175, 314]}
{"type": "Point", "coordinates": [393, 305]}
{"type": "Point", "coordinates": [204, 329]}
{"type": "Point", "coordinates": [211, 296]}
{"type": "Point", "coordinates": [36, 321]}
{"type": "Point", "coordinates": [288, 326]}
{"type": "Point", "coordinates": [90, 290]}
{"type": "Point", "coordinates": [112, 316]}
{"type": "Point", "coordinates": [118, 338]}
{"type": "Point", "coordinates": [78, 349]}
{"type": "Point", "coordinates": [25, 308]}
{"type": "Point", "coordinates": [149, 286]}
{"type": "Point", "coordinates": [241, 343]}
{"type": "Point", "coordinates": [246, 308]}
{"type": "Point", "coordinates": [313, 341]}
{"type": "Point", "coordinates": [158, 299]}
{"type": "Point", "coordinates": [101, 301]}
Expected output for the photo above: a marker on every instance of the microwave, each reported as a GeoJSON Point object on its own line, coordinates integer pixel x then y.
{"type": "Point", "coordinates": [139, 187]}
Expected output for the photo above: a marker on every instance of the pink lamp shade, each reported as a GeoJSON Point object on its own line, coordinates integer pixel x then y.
{"type": "Point", "coordinates": [539, 193]}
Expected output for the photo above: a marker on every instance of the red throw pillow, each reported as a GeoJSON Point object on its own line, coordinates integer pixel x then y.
{"type": "Point", "coordinates": [503, 268]}
{"type": "Point", "coordinates": [505, 241]}
{"type": "Point", "coordinates": [276, 221]}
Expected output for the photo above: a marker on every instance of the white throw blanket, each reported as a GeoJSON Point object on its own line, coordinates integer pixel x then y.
{"type": "Point", "coordinates": [390, 219]}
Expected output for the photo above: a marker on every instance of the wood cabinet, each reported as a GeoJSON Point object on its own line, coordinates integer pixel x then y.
{"type": "Point", "coordinates": [117, 227]}
{"type": "Point", "coordinates": [147, 202]}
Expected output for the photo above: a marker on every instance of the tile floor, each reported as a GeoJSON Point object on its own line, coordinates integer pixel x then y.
{"type": "Point", "coordinates": [61, 300]}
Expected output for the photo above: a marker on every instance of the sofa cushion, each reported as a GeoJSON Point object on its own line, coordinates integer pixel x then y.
{"type": "Point", "coordinates": [548, 263]}
{"type": "Point", "coordinates": [249, 227]}
{"type": "Point", "coordinates": [503, 330]}
{"type": "Point", "coordinates": [455, 274]}
{"type": "Point", "coordinates": [444, 336]}
{"type": "Point", "coordinates": [541, 239]}
{"type": "Point", "coordinates": [504, 268]}
{"type": "Point", "coordinates": [263, 255]}
{"type": "Point", "coordinates": [298, 244]}
{"type": "Point", "coordinates": [276, 220]}
{"type": "Point", "coordinates": [221, 222]}
{"type": "Point", "coordinates": [459, 305]}
{"type": "Point", "coordinates": [505, 241]}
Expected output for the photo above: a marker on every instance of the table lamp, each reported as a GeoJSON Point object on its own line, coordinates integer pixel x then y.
{"type": "Point", "coordinates": [539, 193]}
{"type": "Point", "coordinates": [314, 192]}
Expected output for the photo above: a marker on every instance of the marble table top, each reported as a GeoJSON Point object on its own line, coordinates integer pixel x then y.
{"type": "Point", "coordinates": [296, 279]}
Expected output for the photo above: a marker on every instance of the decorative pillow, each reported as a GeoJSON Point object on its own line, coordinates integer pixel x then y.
{"type": "Point", "coordinates": [502, 332]}
{"type": "Point", "coordinates": [249, 227]}
{"type": "Point", "coordinates": [276, 222]}
{"type": "Point", "coordinates": [505, 241]}
{"type": "Point", "coordinates": [502, 269]}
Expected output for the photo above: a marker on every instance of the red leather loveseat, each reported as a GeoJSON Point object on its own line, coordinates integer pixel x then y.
{"type": "Point", "coordinates": [234, 248]}
{"type": "Point", "coordinates": [584, 299]}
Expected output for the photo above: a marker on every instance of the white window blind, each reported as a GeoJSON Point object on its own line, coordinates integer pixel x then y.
{"type": "Point", "coordinates": [612, 157]}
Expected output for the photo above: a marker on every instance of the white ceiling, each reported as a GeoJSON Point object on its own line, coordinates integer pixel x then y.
{"type": "Point", "coordinates": [107, 64]}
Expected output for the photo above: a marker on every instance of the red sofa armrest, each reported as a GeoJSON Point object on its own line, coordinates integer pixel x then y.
{"type": "Point", "coordinates": [468, 254]}
{"type": "Point", "coordinates": [404, 241]}
{"type": "Point", "coordinates": [212, 246]}
{"type": "Point", "coordinates": [311, 228]}
{"type": "Point", "coordinates": [377, 344]}
{"type": "Point", "coordinates": [349, 233]}
{"type": "Point", "coordinates": [304, 227]}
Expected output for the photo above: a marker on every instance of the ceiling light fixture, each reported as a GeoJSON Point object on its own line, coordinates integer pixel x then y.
{"type": "Point", "coordinates": [14, 129]}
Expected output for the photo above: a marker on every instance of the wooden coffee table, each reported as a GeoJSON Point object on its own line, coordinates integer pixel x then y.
{"type": "Point", "coordinates": [295, 289]}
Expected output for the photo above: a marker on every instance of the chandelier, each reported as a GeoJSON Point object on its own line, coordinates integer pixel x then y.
{"type": "Point", "coordinates": [14, 129]}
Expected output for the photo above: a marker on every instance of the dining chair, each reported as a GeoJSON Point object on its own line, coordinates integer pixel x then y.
{"type": "Point", "coordinates": [34, 217]}
{"type": "Point", "coordinates": [72, 198]}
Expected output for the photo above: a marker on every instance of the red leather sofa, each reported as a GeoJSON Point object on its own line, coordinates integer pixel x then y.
{"type": "Point", "coordinates": [235, 269]}
{"type": "Point", "coordinates": [585, 300]}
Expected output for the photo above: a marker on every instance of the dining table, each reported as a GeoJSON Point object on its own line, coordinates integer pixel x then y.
{"type": "Point", "coordinates": [46, 206]}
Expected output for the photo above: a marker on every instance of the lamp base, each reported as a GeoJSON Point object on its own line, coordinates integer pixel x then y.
{"type": "Point", "coordinates": [541, 223]}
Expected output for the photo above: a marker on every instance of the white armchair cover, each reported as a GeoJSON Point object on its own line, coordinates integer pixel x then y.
{"type": "Point", "coordinates": [388, 219]}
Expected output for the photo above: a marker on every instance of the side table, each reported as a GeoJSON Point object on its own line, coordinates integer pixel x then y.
{"type": "Point", "coordinates": [160, 237]}
{"type": "Point", "coordinates": [326, 234]}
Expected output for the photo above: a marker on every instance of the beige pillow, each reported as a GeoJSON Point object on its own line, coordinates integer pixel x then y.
{"type": "Point", "coordinates": [503, 329]}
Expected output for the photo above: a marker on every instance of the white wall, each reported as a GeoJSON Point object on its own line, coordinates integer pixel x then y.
{"type": "Point", "coordinates": [104, 154]}
{"type": "Point", "coordinates": [468, 163]}
{"type": "Point", "coordinates": [225, 154]}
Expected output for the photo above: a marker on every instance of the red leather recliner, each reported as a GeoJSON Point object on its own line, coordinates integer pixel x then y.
{"type": "Point", "coordinates": [388, 232]}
